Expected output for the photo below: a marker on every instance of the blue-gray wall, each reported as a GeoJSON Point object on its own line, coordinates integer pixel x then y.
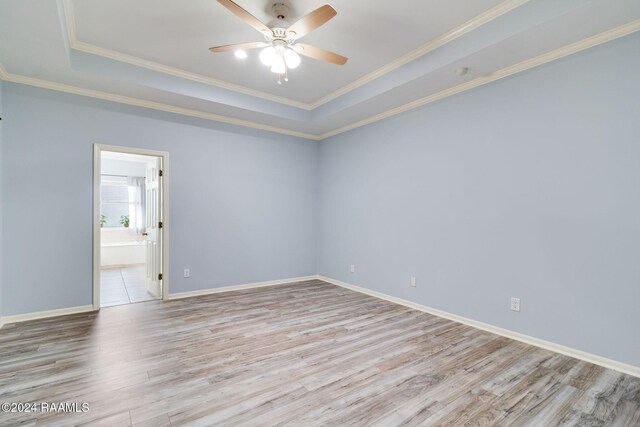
{"type": "Point", "coordinates": [527, 187]}
{"type": "Point", "coordinates": [242, 202]}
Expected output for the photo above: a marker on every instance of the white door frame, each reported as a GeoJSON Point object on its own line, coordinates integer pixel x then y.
{"type": "Point", "coordinates": [164, 156]}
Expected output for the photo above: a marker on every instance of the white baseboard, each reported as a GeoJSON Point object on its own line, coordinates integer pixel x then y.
{"type": "Point", "coordinates": [558, 348]}
{"type": "Point", "coordinates": [44, 314]}
{"type": "Point", "coordinates": [210, 291]}
{"type": "Point", "coordinates": [86, 308]}
{"type": "Point", "coordinates": [547, 345]}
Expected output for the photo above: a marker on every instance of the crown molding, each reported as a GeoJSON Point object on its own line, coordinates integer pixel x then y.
{"type": "Point", "coordinates": [176, 72]}
{"type": "Point", "coordinates": [545, 58]}
{"type": "Point", "coordinates": [30, 81]}
{"type": "Point", "coordinates": [474, 23]}
{"type": "Point", "coordinates": [74, 43]}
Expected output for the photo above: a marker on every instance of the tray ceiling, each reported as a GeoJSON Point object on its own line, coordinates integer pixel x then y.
{"type": "Point", "coordinates": [401, 55]}
{"type": "Point", "coordinates": [178, 34]}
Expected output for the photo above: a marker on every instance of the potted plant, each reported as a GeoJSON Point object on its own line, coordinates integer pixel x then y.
{"type": "Point", "coordinates": [124, 220]}
{"type": "Point", "coordinates": [103, 220]}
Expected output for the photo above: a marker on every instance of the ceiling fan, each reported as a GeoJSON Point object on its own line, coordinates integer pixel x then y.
{"type": "Point", "coordinates": [281, 48]}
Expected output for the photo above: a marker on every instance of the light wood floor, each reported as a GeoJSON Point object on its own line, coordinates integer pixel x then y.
{"type": "Point", "coordinates": [301, 354]}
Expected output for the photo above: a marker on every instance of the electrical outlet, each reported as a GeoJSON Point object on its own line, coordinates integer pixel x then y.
{"type": "Point", "coordinates": [515, 304]}
{"type": "Point", "coordinates": [353, 268]}
{"type": "Point", "coordinates": [413, 281]}
{"type": "Point", "coordinates": [187, 273]}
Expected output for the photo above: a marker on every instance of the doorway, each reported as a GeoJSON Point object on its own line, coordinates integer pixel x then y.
{"type": "Point", "coordinates": [130, 214]}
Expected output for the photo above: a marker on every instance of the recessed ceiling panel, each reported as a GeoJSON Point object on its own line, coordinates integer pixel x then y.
{"type": "Point", "coordinates": [178, 34]}
{"type": "Point", "coordinates": [37, 49]}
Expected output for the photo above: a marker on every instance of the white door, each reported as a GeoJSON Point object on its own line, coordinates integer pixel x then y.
{"type": "Point", "coordinates": [153, 209]}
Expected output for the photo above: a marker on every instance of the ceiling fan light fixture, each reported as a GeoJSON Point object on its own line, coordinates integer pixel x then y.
{"type": "Point", "coordinates": [281, 46]}
{"type": "Point", "coordinates": [291, 58]}
{"type": "Point", "coordinates": [268, 55]}
{"type": "Point", "coordinates": [278, 66]}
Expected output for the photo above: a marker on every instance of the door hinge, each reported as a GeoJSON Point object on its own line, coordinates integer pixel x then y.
{"type": "Point", "coordinates": [160, 276]}
{"type": "Point", "coordinates": [160, 224]}
{"type": "Point", "coordinates": [160, 172]}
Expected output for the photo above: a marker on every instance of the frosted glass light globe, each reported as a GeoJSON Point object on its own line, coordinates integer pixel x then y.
{"type": "Point", "coordinates": [292, 58]}
{"type": "Point", "coordinates": [268, 55]}
{"type": "Point", "coordinates": [278, 66]}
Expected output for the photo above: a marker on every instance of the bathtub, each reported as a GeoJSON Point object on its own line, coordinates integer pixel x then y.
{"type": "Point", "coordinates": [121, 246]}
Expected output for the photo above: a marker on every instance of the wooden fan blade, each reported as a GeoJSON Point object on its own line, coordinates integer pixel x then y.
{"type": "Point", "coordinates": [243, 46]}
{"type": "Point", "coordinates": [321, 54]}
{"type": "Point", "coordinates": [245, 16]}
{"type": "Point", "coordinates": [313, 20]}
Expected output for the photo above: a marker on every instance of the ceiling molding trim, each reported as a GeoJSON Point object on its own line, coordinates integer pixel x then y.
{"type": "Point", "coordinates": [69, 19]}
{"type": "Point", "coordinates": [604, 37]}
{"type": "Point", "coordinates": [472, 24]}
{"type": "Point", "coordinates": [29, 81]}
{"type": "Point", "coordinates": [545, 58]}
{"type": "Point", "coordinates": [74, 43]}
{"type": "Point", "coordinates": [176, 72]}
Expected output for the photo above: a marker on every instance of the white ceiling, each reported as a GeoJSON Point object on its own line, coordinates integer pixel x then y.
{"type": "Point", "coordinates": [178, 34]}
{"type": "Point", "coordinates": [155, 53]}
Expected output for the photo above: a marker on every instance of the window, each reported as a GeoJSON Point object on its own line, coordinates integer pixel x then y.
{"type": "Point", "coordinates": [114, 199]}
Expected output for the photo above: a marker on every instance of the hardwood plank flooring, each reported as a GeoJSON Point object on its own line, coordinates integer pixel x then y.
{"type": "Point", "coordinates": [308, 353]}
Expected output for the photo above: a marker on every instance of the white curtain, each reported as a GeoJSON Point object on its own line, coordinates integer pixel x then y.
{"type": "Point", "coordinates": [136, 203]}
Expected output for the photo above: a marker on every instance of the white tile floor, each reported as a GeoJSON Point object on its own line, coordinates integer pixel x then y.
{"type": "Point", "coordinates": [123, 285]}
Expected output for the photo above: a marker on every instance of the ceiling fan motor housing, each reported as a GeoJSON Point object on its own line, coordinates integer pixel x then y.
{"type": "Point", "coordinates": [280, 24]}
{"type": "Point", "coordinates": [280, 11]}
